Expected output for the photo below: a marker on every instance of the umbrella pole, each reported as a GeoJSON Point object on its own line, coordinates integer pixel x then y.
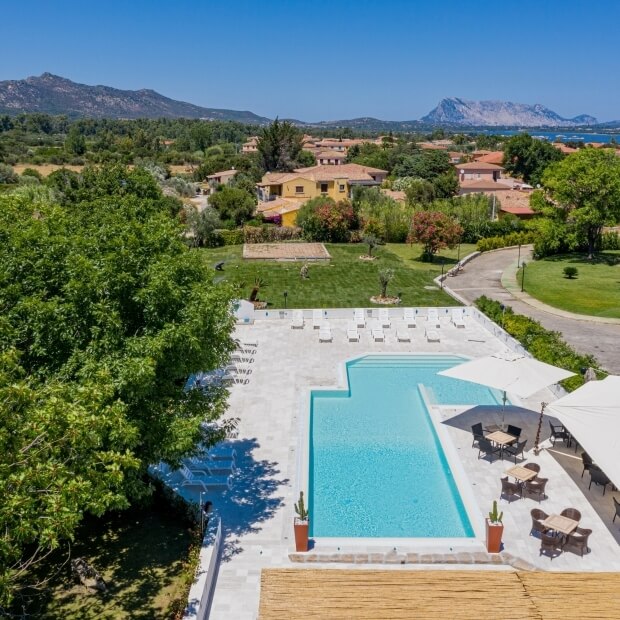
{"type": "Point", "coordinates": [540, 421]}
{"type": "Point", "coordinates": [503, 408]}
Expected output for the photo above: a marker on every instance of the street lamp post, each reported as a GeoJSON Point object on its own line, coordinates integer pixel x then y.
{"type": "Point", "coordinates": [441, 280]}
{"type": "Point", "coordinates": [522, 275]}
{"type": "Point", "coordinates": [519, 257]}
{"type": "Point", "coordinates": [285, 296]}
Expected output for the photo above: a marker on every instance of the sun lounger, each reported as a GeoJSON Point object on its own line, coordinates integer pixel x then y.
{"type": "Point", "coordinates": [359, 318]}
{"type": "Point", "coordinates": [432, 317]}
{"type": "Point", "coordinates": [353, 334]}
{"type": "Point", "coordinates": [190, 479]}
{"type": "Point", "coordinates": [403, 335]}
{"type": "Point", "coordinates": [297, 321]}
{"type": "Point", "coordinates": [209, 466]}
{"type": "Point", "coordinates": [250, 341]}
{"type": "Point", "coordinates": [378, 334]}
{"type": "Point", "coordinates": [325, 333]}
{"type": "Point", "coordinates": [458, 318]}
{"type": "Point", "coordinates": [409, 317]}
{"type": "Point", "coordinates": [432, 335]}
{"type": "Point", "coordinates": [384, 317]}
{"type": "Point", "coordinates": [224, 452]}
{"type": "Point", "coordinates": [317, 319]}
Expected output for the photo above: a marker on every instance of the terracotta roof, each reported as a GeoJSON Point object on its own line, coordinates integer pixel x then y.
{"type": "Point", "coordinates": [397, 195]}
{"type": "Point", "coordinates": [564, 148]}
{"type": "Point", "coordinates": [482, 185]}
{"type": "Point", "coordinates": [495, 157]}
{"type": "Point", "coordinates": [481, 152]}
{"type": "Point", "coordinates": [346, 172]}
{"type": "Point", "coordinates": [279, 206]}
{"type": "Point", "coordinates": [429, 146]}
{"type": "Point", "coordinates": [516, 210]}
{"type": "Point", "coordinates": [478, 166]}
{"type": "Point", "coordinates": [597, 145]}
{"type": "Point", "coordinates": [330, 155]}
{"type": "Point", "coordinates": [455, 154]}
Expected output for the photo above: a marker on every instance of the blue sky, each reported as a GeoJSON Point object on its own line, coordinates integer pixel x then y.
{"type": "Point", "coordinates": [320, 60]}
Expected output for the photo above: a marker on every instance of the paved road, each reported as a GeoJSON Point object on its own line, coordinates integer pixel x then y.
{"type": "Point", "coordinates": [482, 276]}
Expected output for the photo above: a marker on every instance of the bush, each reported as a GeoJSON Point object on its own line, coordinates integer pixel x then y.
{"type": "Point", "coordinates": [610, 241]}
{"type": "Point", "coordinates": [495, 243]}
{"type": "Point", "coordinates": [7, 174]}
{"type": "Point", "coordinates": [570, 272]}
{"type": "Point", "coordinates": [323, 219]}
{"type": "Point", "coordinates": [231, 237]}
{"type": "Point", "coordinates": [544, 345]}
{"type": "Point", "coordinates": [268, 233]}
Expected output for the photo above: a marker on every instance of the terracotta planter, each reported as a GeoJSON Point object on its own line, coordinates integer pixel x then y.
{"type": "Point", "coordinates": [494, 536]}
{"type": "Point", "coordinates": [301, 535]}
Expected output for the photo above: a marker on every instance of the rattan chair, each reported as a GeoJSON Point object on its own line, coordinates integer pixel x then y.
{"type": "Point", "coordinates": [515, 431]}
{"type": "Point", "coordinates": [550, 544]}
{"type": "Point", "coordinates": [533, 467]}
{"type": "Point", "coordinates": [578, 539]}
{"type": "Point", "coordinates": [477, 432]}
{"type": "Point", "coordinates": [587, 462]}
{"type": "Point", "coordinates": [487, 448]}
{"type": "Point", "coordinates": [510, 489]}
{"type": "Point", "coordinates": [599, 478]}
{"type": "Point", "coordinates": [617, 505]}
{"type": "Point", "coordinates": [538, 516]}
{"type": "Point", "coordinates": [571, 513]}
{"type": "Point", "coordinates": [558, 432]}
{"type": "Point", "coordinates": [536, 487]}
{"type": "Point", "coordinates": [515, 450]}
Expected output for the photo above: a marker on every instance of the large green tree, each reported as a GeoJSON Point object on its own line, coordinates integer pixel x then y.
{"type": "Point", "coordinates": [280, 146]}
{"type": "Point", "coordinates": [586, 188]}
{"type": "Point", "coordinates": [105, 311]}
{"type": "Point", "coordinates": [233, 204]}
{"type": "Point", "coordinates": [527, 157]}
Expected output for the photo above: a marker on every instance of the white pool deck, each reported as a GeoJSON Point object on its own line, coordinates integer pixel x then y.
{"type": "Point", "coordinates": [257, 514]}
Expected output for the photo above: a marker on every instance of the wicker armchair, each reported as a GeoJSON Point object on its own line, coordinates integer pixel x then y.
{"type": "Point", "coordinates": [599, 478]}
{"type": "Point", "coordinates": [477, 432]}
{"type": "Point", "coordinates": [538, 516]}
{"type": "Point", "coordinates": [515, 431]}
{"type": "Point", "coordinates": [617, 505]}
{"type": "Point", "coordinates": [486, 447]}
{"type": "Point", "coordinates": [558, 432]}
{"type": "Point", "coordinates": [587, 462]}
{"type": "Point", "coordinates": [533, 467]}
{"type": "Point", "coordinates": [578, 539]}
{"type": "Point", "coordinates": [550, 544]}
{"type": "Point", "coordinates": [516, 450]}
{"type": "Point", "coordinates": [536, 487]}
{"type": "Point", "coordinates": [510, 489]}
{"type": "Point", "coordinates": [571, 513]}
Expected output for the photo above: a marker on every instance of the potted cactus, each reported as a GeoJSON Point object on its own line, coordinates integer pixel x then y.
{"type": "Point", "coordinates": [495, 530]}
{"type": "Point", "coordinates": [301, 524]}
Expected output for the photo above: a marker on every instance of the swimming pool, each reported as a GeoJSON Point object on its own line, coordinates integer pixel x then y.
{"type": "Point", "coordinates": [376, 465]}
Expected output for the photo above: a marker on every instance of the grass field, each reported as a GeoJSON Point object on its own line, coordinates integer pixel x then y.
{"type": "Point", "coordinates": [344, 281]}
{"type": "Point", "coordinates": [45, 169]}
{"type": "Point", "coordinates": [140, 555]}
{"type": "Point", "coordinates": [595, 291]}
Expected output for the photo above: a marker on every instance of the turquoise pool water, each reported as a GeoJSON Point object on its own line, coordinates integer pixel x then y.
{"type": "Point", "coordinates": [377, 467]}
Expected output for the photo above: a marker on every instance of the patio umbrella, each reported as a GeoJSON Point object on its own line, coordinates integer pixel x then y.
{"type": "Point", "coordinates": [592, 414]}
{"type": "Point", "coordinates": [513, 374]}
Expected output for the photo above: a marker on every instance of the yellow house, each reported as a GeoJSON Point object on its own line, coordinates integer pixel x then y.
{"type": "Point", "coordinates": [283, 193]}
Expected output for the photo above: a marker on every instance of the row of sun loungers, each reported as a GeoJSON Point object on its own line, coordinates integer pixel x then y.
{"type": "Point", "coordinates": [409, 318]}
{"type": "Point", "coordinates": [377, 333]}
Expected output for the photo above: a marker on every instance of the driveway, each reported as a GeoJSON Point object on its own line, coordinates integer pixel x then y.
{"type": "Point", "coordinates": [482, 276]}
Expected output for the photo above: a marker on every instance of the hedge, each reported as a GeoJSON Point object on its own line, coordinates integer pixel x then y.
{"type": "Point", "coordinates": [494, 243]}
{"type": "Point", "coordinates": [269, 233]}
{"type": "Point", "coordinates": [543, 344]}
{"type": "Point", "coordinates": [230, 237]}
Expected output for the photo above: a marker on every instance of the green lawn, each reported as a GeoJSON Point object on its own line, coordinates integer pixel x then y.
{"type": "Point", "coordinates": [595, 290]}
{"type": "Point", "coordinates": [140, 555]}
{"type": "Point", "coordinates": [344, 281]}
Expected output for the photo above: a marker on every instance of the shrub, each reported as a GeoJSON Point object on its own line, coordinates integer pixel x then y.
{"type": "Point", "coordinates": [544, 345]}
{"type": "Point", "coordinates": [435, 230]}
{"type": "Point", "coordinates": [268, 233]}
{"type": "Point", "coordinates": [231, 237]}
{"type": "Point", "coordinates": [610, 241]}
{"type": "Point", "coordinates": [516, 238]}
{"type": "Point", "coordinates": [323, 219]}
{"type": "Point", "coordinates": [7, 174]}
{"type": "Point", "coordinates": [570, 272]}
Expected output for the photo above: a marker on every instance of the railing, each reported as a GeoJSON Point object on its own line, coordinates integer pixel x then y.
{"type": "Point", "coordinates": [201, 593]}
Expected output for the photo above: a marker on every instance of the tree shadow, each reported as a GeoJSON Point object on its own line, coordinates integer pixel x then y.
{"type": "Point", "coordinates": [253, 499]}
{"type": "Point", "coordinates": [601, 258]}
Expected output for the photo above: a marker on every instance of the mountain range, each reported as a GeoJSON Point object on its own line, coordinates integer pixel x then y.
{"type": "Point", "coordinates": [52, 94]}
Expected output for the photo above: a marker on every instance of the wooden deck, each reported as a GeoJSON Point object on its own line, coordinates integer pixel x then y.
{"type": "Point", "coordinates": [443, 595]}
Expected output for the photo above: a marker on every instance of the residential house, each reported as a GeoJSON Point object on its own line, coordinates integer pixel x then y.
{"type": "Point", "coordinates": [283, 193]}
{"type": "Point", "coordinates": [477, 171]}
{"type": "Point", "coordinates": [221, 178]}
{"type": "Point", "coordinates": [492, 157]}
{"type": "Point", "coordinates": [455, 157]}
{"type": "Point", "coordinates": [251, 145]}
{"type": "Point", "coordinates": [330, 158]}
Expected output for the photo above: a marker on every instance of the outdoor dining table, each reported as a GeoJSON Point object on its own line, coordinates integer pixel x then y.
{"type": "Point", "coordinates": [521, 474]}
{"type": "Point", "coordinates": [501, 439]}
{"type": "Point", "coordinates": [560, 523]}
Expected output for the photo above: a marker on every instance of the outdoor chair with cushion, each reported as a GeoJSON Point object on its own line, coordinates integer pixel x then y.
{"type": "Point", "coordinates": [587, 462]}
{"type": "Point", "coordinates": [550, 544]}
{"type": "Point", "coordinates": [571, 513]}
{"type": "Point", "coordinates": [578, 539]}
{"type": "Point", "coordinates": [599, 478]}
{"type": "Point", "coordinates": [487, 448]}
{"type": "Point", "coordinates": [538, 516]}
{"type": "Point", "coordinates": [533, 467]}
{"type": "Point", "coordinates": [558, 432]}
{"type": "Point", "coordinates": [515, 450]}
{"type": "Point", "coordinates": [515, 431]}
{"type": "Point", "coordinates": [536, 487]}
{"type": "Point", "coordinates": [617, 505]}
{"type": "Point", "coordinates": [510, 489]}
{"type": "Point", "coordinates": [477, 432]}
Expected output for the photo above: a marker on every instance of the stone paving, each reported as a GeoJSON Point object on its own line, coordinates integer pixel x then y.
{"type": "Point", "coordinates": [257, 513]}
{"type": "Point", "coordinates": [483, 276]}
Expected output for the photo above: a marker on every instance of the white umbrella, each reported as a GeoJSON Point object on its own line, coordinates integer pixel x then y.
{"type": "Point", "coordinates": [592, 414]}
{"type": "Point", "coordinates": [515, 374]}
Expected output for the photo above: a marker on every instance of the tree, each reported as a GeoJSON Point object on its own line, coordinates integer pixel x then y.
{"type": "Point", "coordinates": [306, 159]}
{"type": "Point", "coordinates": [586, 187]}
{"type": "Point", "coordinates": [371, 241]}
{"type": "Point", "coordinates": [385, 277]}
{"type": "Point", "coordinates": [435, 230]}
{"type": "Point", "coordinates": [280, 146]}
{"type": "Point", "coordinates": [203, 225]}
{"type": "Point", "coordinates": [233, 204]}
{"type": "Point", "coordinates": [7, 174]}
{"type": "Point", "coordinates": [527, 158]}
{"type": "Point", "coordinates": [75, 142]}
{"type": "Point", "coordinates": [324, 219]}
{"type": "Point", "coordinates": [97, 342]}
